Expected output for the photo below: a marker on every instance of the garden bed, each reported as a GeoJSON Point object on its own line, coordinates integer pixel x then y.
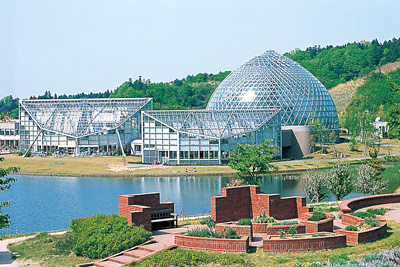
{"type": "Point", "coordinates": [242, 230]}
{"type": "Point", "coordinates": [213, 244]}
{"type": "Point", "coordinates": [357, 237]}
{"type": "Point", "coordinates": [299, 243]}
{"type": "Point", "coordinates": [325, 225]}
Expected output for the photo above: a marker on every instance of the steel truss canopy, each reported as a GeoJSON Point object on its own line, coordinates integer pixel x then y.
{"type": "Point", "coordinates": [213, 123]}
{"type": "Point", "coordinates": [82, 117]}
{"type": "Point", "coordinates": [275, 81]}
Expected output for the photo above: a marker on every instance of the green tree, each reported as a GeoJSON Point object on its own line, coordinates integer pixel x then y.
{"type": "Point", "coordinates": [253, 160]}
{"type": "Point", "coordinates": [314, 185]}
{"type": "Point", "coordinates": [339, 182]}
{"type": "Point", "coordinates": [367, 182]}
{"type": "Point", "coordinates": [321, 135]}
{"type": "Point", "coordinates": [5, 184]}
{"type": "Point", "coordinates": [393, 117]}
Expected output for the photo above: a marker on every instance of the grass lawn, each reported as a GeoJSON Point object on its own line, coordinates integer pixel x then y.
{"type": "Point", "coordinates": [48, 252]}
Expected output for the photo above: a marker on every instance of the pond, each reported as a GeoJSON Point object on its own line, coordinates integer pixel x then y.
{"type": "Point", "coordinates": [43, 203]}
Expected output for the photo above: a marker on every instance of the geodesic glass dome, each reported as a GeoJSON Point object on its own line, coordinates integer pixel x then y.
{"type": "Point", "coordinates": [273, 81]}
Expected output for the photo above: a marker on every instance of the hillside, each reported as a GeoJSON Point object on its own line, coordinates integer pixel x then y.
{"type": "Point", "coordinates": [333, 65]}
{"type": "Point", "coordinates": [343, 93]}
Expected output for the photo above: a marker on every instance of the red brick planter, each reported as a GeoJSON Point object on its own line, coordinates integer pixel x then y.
{"type": "Point", "coordinates": [242, 230]}
{"type": "Point", "coordinates": [212, 244]}
{"type": "Point", "coordinates": [304, 244]}
{"type": "Point", "coordinates": [357, 237]}
{"type": "Point", "coordinates": [318, 226]}
{"type": "Point", "coordinates": [274, 229]}
{"type": "Point", "coordinates": [350, 205]}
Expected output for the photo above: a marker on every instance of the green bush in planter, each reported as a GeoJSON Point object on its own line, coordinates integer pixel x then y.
{"type": "Point", "coordinates": [351, 228]}
{"type": "Point", "coordinates": [244, 221]}
{"type": "Point", "coordinates": [209, 222]}
{"type": "Point", "coordinates": [363, 214]}
{"type": "Point", "coordinates": [104, 235]}
{"type": "Point", "coordinates": [263, 218]}
{"type": "Point", "coordinates": [317, 216]}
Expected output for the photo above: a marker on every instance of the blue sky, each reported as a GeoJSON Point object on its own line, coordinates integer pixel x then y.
{"type": "Point", "coordinates": [76, 46]}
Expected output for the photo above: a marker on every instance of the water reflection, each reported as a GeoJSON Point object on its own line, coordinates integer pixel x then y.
{"type": "Point", "coordinates": [41, 203]}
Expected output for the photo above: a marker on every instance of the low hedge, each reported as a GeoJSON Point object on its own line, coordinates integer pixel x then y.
{"type": "Point", "coordinates": [244, 221]}
{"type": "Point", "coordinates": [363, 214]}
{"type": "Point", "coordinates": [317, 216]}
{"type": "Point", "coordinates": [104, 235]}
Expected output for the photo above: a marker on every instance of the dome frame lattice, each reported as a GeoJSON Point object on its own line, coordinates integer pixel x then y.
{"type": "Point", "coordinates": [271, 81]}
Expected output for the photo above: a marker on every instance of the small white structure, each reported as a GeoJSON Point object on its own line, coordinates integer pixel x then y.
{"type": "Point", "coordinates": [136, 147]}
{"type": "Point", "coordinates": [9, 134]}
{"type": "Point", "coordinates": [381, 126]}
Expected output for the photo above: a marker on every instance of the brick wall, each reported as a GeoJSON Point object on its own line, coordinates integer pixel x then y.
{"type": "Point", "coordinates": [233, 205]}
{"type": "Point", "coordinates": [260, 228]}
{"type": "Point", "coordinates": [213, 244]}
{"type": "Point", "coordinates": [137, 208]}
{"type": "Point", "coordinates": [247, 202]}
{"type": "Point", "coordinates": [304, 244]}
{"type": "Point", "coordinates": [242, 230]}
{"type": "Point", "coordinates": [318, 226]}
{"type": "Point", "coordinates": [355, 237]}
{"type": "Point", "coordinates": [348, 219]}
{"type": "Point", "coordinates": [350, 205]}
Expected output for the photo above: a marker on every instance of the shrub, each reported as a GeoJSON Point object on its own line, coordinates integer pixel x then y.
{"type": "Point", "coordinates": [372, 222]}
{"type": "Point", "coordinates": [317, 235]}
{"type": "Point", "coordinates": [380, 211]}
{"type": "Point", "coordinates": [282, 234]}
{"type": "Point", "coordinates": [363, 214]}
{"type": "Point", "coordinates": [292, 230]}
{"type": "Point", "coordinates": [289, 222]}
{"type": "Point", "coordinates": [209, 222]}
{"type": "Point", "coordinates": [231, 234]}
{"type": "Point", "coordinates": [317, 216]}
{"type": "Point", "coordinates": [244, 222]}
{"type": "Point", "coordinates": [351, 228]}
{"type": "Point", "coordinates": [228, 233]}
{"type": "Point", "coordinates": [263, 219]}
{"type": "Point", "coordinates": [183, 257]}
{"type": "Point", "coordinates": [104, 235]}
{"type": "Point", "coordinates": [200, 232]}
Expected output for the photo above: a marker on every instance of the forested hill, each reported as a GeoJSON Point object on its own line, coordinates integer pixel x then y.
{"type": "Point", "coordinates": [191, 92]}
{"type": "Point", "coordinates": [379, 94]}
{"type": "Point", "coordinates": [333, 65]}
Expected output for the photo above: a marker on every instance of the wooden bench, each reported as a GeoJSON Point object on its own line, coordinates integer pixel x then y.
{"type": "Point", "coordinates": [166, 215]}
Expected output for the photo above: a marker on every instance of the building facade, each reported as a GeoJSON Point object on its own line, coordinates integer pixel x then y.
{"type": "Point", "coordinates": [80, 126]}
{"type": "Point", "coordinates": [205, 136]}
{"type": "Point", "coordinates": [9, 134]}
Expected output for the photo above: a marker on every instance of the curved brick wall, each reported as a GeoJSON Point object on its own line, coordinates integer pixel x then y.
{"type": "Point", "coordinates": [213, 244]}
{"type": "Point", "coordinates": [350, 205]}
{"type": "Point", "coordinates": [319, 226]}
{"type": "Point", "coordinates": [242, 230]}
{"type": "Point", "coordinates": [304, 244]}
{"type": "Point", "coordinates": [354, 237]}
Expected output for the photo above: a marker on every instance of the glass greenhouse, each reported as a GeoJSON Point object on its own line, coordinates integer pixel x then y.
{"type": "Point", "coordinates": [275, 81]}
{"type": "Point", "coordinates": [80, 126]}
{"type": "Point", "coordinates": [205, 136]}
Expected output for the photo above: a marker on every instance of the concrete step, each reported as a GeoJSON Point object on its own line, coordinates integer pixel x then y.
{"type": "Point", "coordinates": [107, 263]}
{"type": "Point", "coordinates": [152, 247]}
{"type": "Point", "coordinates": [137, 253]}
{"type": "Point", "coordinates": [123, 259]}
